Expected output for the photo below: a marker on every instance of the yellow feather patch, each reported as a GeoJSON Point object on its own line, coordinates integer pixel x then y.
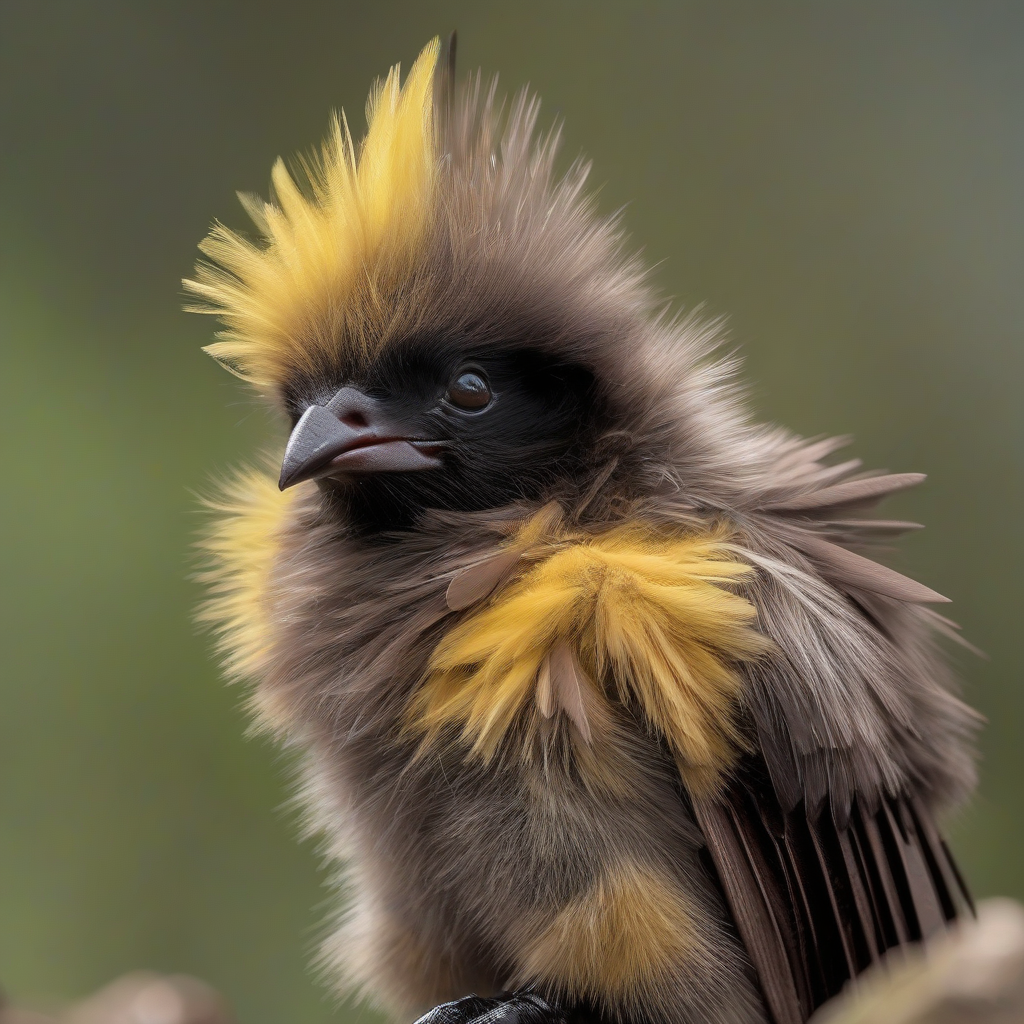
{"type": "Point", "coordinates": [241, 544]}
{"type": "Point", "coordinates": [627, 936]}
{"type": "Point", "coordinates": [648, 615]}
{"type": "Point", "coordinates": [320, 278]}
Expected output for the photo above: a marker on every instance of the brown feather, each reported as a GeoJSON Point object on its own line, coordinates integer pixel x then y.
{"type": "Point", "coordinates": [808, 454]}
{"type": "Point", "coordinates": [854, 879]}
{"type": "Point", "coordinates": [894, 526]}
{"type": "Point", "coordinates": [852, 492]}
{"type": "Point", "coordinates": [479, 580]}
{"type": "Point", "coordinates": [817, 902]}
{"type": "Point", "coordinates": [752, 911]}
{"type": "Point", "coordinates": [571, 689]}
{"type": "Point", "coordinates": [946, 877]}
{"type": "Point", "coordinates": [849, 569]}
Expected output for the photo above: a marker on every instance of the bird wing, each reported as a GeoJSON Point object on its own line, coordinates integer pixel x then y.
{"type": "Point", "coordinates": [815, 903]}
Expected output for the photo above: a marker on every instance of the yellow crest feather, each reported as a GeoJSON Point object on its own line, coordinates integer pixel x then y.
{"type": "Point", "coordinates": [650, 613]}
{"type": "Point", "coordinates": [316, 281]}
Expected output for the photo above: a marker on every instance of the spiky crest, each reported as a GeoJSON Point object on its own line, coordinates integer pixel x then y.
{"type": "Point", "coordinates": [327, 260]}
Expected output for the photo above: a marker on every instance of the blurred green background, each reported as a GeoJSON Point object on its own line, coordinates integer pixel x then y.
{"type": "Point", "coordinates": [844, 180]}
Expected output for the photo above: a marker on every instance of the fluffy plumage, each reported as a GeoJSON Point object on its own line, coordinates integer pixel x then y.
{"type": "Point", "coordinates": [240, 546]}
{"type": "Point", "coordinates": [648, 612]}
{"type": "Point", "coordinates": [567, 704]}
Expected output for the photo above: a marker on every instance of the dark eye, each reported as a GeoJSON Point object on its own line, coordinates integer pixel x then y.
{"type": "Point", "coordinates": [469, 391]}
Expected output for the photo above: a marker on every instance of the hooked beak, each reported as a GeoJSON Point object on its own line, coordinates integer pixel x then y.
{"type": "Point", "coordinates": [351, 434]}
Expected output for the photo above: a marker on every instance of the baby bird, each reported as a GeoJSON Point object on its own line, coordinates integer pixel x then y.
{"type": "Point", "coordinates": [604, 713]}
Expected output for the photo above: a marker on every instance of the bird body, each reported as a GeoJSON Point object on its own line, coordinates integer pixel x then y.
{"type": "Point", "coordinates": [595, 697]}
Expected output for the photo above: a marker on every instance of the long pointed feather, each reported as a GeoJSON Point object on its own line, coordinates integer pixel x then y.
{"type": "Point", "coordinates": [861, 894]}
{"type": "Point", "coordinates": [817, 902]}
{"type": "Point", "coordinates": [889, 891]}
{"type": "Point", "coordinates": [816, 831]}
{"type": "Point", "coordinates": [847, 567]}
{"type": "Point", "coordinates": [852, 492]}
{"type": "Point", "coordinates": [755, 922]}
{"type": "Point", "coordinates": [824, 475]}
{"type": "Point", "coordinates": [927, 906]}
{"type": "Point", "coordinates": [893, 526]}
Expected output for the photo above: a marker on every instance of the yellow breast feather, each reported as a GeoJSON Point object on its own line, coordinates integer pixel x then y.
{"type": "Point", "coordinates": [629, 614]}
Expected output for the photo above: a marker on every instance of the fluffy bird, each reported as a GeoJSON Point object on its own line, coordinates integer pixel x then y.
{"type": "Point", "coordinates": [604, 712]}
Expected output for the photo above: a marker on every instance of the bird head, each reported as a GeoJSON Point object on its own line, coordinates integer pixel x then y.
{"type": "Point", "coordinates": [439, 423]}
{"type": "Point", "coordinates": [445, 321]}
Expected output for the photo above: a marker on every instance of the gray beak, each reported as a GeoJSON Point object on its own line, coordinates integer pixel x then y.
{"type": "Point", "coordinates": [351, 435]}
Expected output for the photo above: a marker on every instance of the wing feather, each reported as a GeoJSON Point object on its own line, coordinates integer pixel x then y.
{"type": "Point", "coordinates": [816, 902]}
{"type": "Point", "coordinates": [757, 922]}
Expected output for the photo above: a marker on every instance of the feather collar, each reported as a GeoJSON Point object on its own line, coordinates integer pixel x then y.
{"type": "Point", "coordinates": [559, 623]}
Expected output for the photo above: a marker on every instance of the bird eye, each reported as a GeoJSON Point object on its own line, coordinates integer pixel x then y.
{"type": "Point", "coordinates": [469, 391]}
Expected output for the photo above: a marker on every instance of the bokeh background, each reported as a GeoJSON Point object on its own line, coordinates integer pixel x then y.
{"type": "Point", "coordinates": [844, 180]}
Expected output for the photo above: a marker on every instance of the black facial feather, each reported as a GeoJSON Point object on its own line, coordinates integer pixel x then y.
{"type": "Point", "coordinates": [541, 419]}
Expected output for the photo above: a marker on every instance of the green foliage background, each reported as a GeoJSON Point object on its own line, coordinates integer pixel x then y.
{"type": "Point", "coordinates": [843, 180]}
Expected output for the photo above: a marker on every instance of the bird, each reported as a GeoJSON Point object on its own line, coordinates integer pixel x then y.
{"type": "Point", "coordinates": [603, 706]}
